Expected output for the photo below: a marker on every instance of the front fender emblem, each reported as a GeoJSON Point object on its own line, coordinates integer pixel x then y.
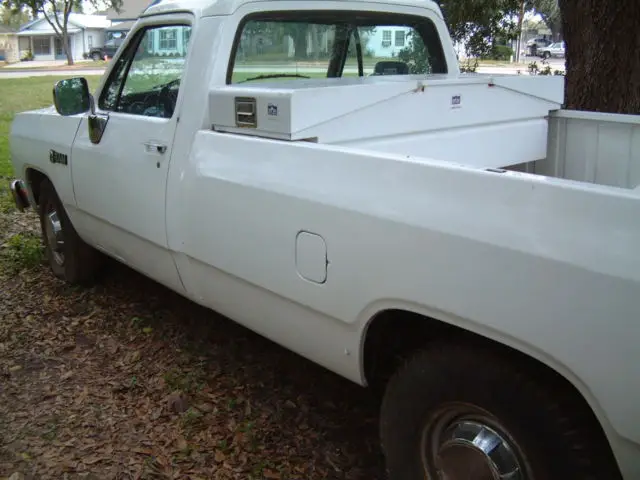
{"type": "Point", "coordinates": [57, 157]}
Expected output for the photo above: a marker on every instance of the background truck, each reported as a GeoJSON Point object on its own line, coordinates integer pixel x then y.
{"type": "Point", "coordinates": [108, 50]}
{"type": "Point", "coordinates": [322, 173]}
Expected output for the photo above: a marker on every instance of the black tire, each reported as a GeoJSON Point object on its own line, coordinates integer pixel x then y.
{"type": "Point", "coordinates": [80, 262]}
{"type": "Point", "coordinates": [545, 55]}
{"type": "Point", "coordinates": [95, 56]}
{"type": "Point", "coordinates": [552, 433]}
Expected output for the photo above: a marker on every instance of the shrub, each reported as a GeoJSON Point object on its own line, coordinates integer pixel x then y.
{"type": "Point", "coordinates": [499, 52]}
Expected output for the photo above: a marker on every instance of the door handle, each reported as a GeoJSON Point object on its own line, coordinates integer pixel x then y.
{"type": "Point", "coordinates": [155, 147]}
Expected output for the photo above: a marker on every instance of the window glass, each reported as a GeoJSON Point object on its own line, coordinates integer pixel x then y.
{"type": "Point", "coordinates": [325, 44]}
{"type": "Point", "coordinates": [41, 46]}
{"type": "Point", "coordinates": [147, 77]}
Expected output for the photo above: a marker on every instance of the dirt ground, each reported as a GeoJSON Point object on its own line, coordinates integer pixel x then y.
{"type": "Point", "coordinates": [129, 380]}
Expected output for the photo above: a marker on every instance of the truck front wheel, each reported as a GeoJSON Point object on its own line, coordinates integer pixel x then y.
{"type": "Point", "coordinates": [69, 257]}
{"type": "Point", "coordinates": [455, 412]}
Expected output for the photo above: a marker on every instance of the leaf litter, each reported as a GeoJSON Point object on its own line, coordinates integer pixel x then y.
{"type": "Point", "coordinates": [128, 380]}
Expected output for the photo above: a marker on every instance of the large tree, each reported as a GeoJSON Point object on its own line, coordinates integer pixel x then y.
{"type": "Point", "coordinates": [57, 12]}
{"type": "Point", "coordinates": [478, 23]}
{"type": "Point", "coordinates": [602, 55]}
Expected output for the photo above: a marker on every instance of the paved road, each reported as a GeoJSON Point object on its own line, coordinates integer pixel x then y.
{"type": "Point", "coordinates": [554, 63]}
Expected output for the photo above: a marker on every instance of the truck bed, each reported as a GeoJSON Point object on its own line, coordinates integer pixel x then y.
{"type": "Point", "coordinates": [597, 148]}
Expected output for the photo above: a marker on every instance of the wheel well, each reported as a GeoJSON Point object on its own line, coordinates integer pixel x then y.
{"type": "Point", "coordinates": [393, 335]}
{"type": "Point", "coordinates": [34, 179]}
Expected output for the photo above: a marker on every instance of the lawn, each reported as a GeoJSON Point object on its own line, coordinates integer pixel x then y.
{"type": "Point", "coordinates": [18, 95]}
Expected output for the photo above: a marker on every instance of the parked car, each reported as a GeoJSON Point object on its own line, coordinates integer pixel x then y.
{"type": "Point", "coordinates": [534, 44]}
{"type": "Point", "coordinates": [393, 228]}
{"type": "Point", "coordinates": [553, 50]}
{"type": "Point", "coordinates": [109, 49]}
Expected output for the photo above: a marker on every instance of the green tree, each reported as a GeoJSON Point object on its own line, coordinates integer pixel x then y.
{"type": "Point", "coordinates": [478, 23]}
{"type": "Point", "coordinates": [56, 13]}
{"type": "Point", "coordinates": [14, 18]}
{"type": "Point", "coordinates": [602, 55]}
{"type": "Point", "coordinates": [549, 11]}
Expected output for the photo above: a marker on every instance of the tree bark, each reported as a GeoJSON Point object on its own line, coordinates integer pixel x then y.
{"type": "Point", "coordinates": [301, 42]}
{"type": "Point", "coordinates": [602, 55]}
{"type": "Point", "coordinates": [66, 49]}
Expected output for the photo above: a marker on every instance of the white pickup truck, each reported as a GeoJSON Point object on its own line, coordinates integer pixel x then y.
{"type": "Point", "coordinates": [322, 173]}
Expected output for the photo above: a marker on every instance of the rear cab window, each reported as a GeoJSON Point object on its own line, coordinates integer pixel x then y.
{"type": "Point", "coordinates": [323, 44]}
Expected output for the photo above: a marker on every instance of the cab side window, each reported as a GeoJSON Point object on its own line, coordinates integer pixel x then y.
{"type": "Point", "coordinates": [146, 79]}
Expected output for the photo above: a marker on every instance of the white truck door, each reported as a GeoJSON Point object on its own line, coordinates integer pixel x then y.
{"type": "Point", "coordinates": [120, 178]}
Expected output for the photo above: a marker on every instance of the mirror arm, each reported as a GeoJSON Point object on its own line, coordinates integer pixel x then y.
{"type": "Point", "coordinates": [92, 104]}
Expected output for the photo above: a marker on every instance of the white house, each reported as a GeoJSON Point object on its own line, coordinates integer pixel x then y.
{"type": "Point", "coordinates": [169, 41]}
{"type": "Point", "coordinates": [387, 41]}
{"type": "Point", "coordinates": [39, 38]}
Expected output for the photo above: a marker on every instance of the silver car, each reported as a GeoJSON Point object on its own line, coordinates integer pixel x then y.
{"type": "Point", "coordinates": [553, 50]}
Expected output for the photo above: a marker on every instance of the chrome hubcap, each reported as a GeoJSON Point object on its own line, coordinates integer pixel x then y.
{"type": "Point", "coordinates": [55, 238]}
{"type": "Point", "coordinates": [459, 445]}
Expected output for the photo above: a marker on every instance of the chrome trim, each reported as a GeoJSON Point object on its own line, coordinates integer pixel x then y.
{"type": "Point", "coordinates": [20, 195]}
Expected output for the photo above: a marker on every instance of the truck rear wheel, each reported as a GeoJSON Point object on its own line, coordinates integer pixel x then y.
{"type": "Point", "coordinates": [455, 413]}
{"type": "Point", "coordinates": [69, 257]}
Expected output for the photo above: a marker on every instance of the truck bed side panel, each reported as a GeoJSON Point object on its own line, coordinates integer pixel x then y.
{"type": "Point", "coordinates": [532, 261]}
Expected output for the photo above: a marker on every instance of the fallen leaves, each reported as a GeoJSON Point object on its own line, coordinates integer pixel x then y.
{"type": "Point", "coordinates": [177, 402]}
{"type": "Point", "coordinates": [128, 380]}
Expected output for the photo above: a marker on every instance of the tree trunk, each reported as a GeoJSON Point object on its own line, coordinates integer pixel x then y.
{"type": "Point", "coordinates": [555, 25]}
{"type": "Point", "coordinates": [315, 36]}
{"type": "Point", "coordinates": [602, 55]}
{"type": "Point", "coordinates": [301, 43]}
{"type": "Point", "coordinates": [520, 22]}
{"type": "Point", "coordinates": [66, 49]}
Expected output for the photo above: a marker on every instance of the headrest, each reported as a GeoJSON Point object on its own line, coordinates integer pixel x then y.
{"type": "Point", "coordinates": [390, 67]}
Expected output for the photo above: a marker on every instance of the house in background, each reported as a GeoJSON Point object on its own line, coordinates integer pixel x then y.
{"type": "Point", "coordinates": [39, 38]}
{"type": "Point", "coordinates": [121, 22]}
{"type": "Point", "coordinates": [8, 45]}
{"type": "Point", "coordinates": [387, 41]}
{"type": "Point", "coordinates": [163, 42]}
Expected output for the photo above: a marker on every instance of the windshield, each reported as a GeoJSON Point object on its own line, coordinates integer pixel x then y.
{"type": "Point", "coordinates": [293, 45]}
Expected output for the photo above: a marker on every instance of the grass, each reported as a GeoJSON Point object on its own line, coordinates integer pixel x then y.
{"type": "Point", "coordinates": [6, 200]}
{"type": "Point", "coordinates": [21, 251]}
{"type": "Point", "coordinates": [18, 95]}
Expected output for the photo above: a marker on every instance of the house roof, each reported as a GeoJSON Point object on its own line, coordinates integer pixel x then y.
{"type": "Point", "coordinates": [121, 26]}
{"type": "Point", "coordinates": [89, 21]}
{"type": "Point", "coordinates": [129, 10]}
{"type": "Point", "coordinates": [77, 20]}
